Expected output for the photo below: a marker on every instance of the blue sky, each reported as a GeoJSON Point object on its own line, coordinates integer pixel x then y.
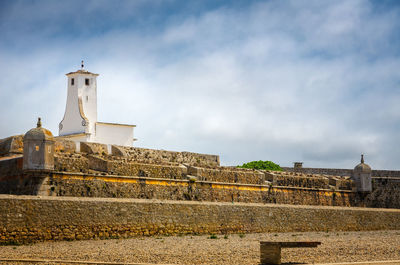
{"type": "Point", "coordinates": [311, 81]}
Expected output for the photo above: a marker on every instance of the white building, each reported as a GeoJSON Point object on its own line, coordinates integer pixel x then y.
{"type": "Point", "coordinates": [80, 118]}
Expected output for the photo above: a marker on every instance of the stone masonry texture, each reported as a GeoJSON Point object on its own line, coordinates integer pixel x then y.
{"type": "Point", "coordinates": [342, 171]}
{"type": "Point", "coordinates": [25, 219]}
{"type": "Point", "coordinates": [86, 185]}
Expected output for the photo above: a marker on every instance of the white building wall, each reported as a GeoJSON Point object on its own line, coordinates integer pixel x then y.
{"type": "Point", "coordinates": [81, 108]}
{"type": "Point", "coordinates": [77, 138]}
{"type": "Point", "coordinates": [88, 95]}
{"type": "Point", "coordinates": [80, 118]}
{"type": "Point", "coordinates": [109, 133]}
{"type": "Point", "coordinates": [72, 121]}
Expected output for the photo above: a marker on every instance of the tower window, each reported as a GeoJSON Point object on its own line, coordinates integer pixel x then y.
{"type": "Point", "coordinates": [72, 81]}
{"type": "Point", "coordinates": [87, 98]}
{"type": "Point", "coordinates": [87, 81]}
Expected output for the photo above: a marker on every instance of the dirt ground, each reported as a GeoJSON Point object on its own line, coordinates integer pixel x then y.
{"type": "Point", "coordinates": [219, 249]}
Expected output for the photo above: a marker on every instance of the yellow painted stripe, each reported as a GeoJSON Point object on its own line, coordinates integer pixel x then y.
{"type": "Point", "coordinates": [170, 182]}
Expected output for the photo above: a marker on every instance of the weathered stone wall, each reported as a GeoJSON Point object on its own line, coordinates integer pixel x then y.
{"type": "Point", "coordinates": [11, 145]}
{"type": "Point", "coordinates": [148, 170]}
{"type": "Point", "coordinates": [342, 171]}
{"type": "Point", "coordinates": [120, 167]}
{"type": "Point", "coordinates": [80, 162]}
{"type": "Point", "coordinates": [98, 165]}
{"type": "Point", "coordinates": [63, 145]}
{"type": "Point", "coordinates": [161, 156]}
{"type": "Point", "coordinates": [93, 148]}
{"type": "Point", "coordinates": [321, 171]}
{"type": "Point", "coordinates": [296, 179]}
{"type": "Point", "coordinates": [82, 185]}
{"type": "Point", "coordinates": [14, 145]}
{"type": "Point", "coordinates": [175, 182]}
{"type": "Point", "coordinates": [25, 184]}
{"type": "Point", "coordinates": [11, 166]}
{"type": "Point", "coordinates": [300, 181]}
{"type": "Point", "coordinates": [159, 174]}
{"type": "Point", "coordinates": [71, 162]}
{"type": "Point", "coordinates": [385, 194]}
{"type": "Point", "coordinates": [27, 219]}
{"type": "Point", "coordinates": [227, 174]}
{"type": "Point", "coordinates": [10, 170]}
{"type": "Point", "coordinates": [386, 173]}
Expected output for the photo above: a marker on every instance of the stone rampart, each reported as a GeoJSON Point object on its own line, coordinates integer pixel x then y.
{"type": "Point", "coordinates": [62, 145]}
{"type": "Point", "coordinates": [385, 193]}
{"type": "Point", "coordinates": [11, 166]}
{"type": "Point", "coordinates": [227, 174]}
{"type": "Point", "coordinates": [99, 165]}
{"type": "Point", "coordinates": [341, 171]}
{"type": "Point", "coordinates": [86, 185]}
{"type": "Point", "coordinates": [11, 145]}
{"type": "Point", "coordinates": [148, 170]}
{"type": "Point", "coordinates": [321, 171]}
{"type": "Point", "coordinates": [10, 172]}
{"type": "Point", "coordinates": [14, 145]}
{"type": "Point", "coordinates": [296, 179]}
{"type": "Point", "coordinates": [93, 148]}
{"type": "Point", "coordinates": [136, 154]}
{"type": "Point", "coordinates": [386, 173]}
{"type": "Point", "coordinates": [71, 162]}
{"type": "Point", "coordinates": [25, 219]}
{"type": "Point", "coordinates": [162, 156]}
{"type": "Point", "coordinates": [300, 181]}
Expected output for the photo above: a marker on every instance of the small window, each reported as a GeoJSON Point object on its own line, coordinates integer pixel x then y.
{"type": "Point", "coordinates": [87, 98]}
{"type": "Point", "coordinates": [72, 81]}
{"type": "Point", "coordinates": [87, 81]}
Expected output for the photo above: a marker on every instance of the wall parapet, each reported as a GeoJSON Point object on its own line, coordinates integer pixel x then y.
{"type": "Point", "coordinates": [26, 219]}
{"type": "Point", "coordinates": [120, 178]}
{"type": "Point", "coordinates": [87, 185]}
{"type": "Point", "coordinates": [228, 175]}
{"type": "Point", "coordinates": [342, 171]}
{"type": "Point", "coordinates": [11, 145]}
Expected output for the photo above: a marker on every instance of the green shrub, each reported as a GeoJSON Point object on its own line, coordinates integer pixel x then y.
{"type": "Point", "coordinates": [263, 165]}
{"type": "Point", "coordinates": [213, 236]}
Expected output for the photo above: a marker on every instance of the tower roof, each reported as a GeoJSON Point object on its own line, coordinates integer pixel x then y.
{"type": "Point", "coordinates": [82, 71]}
{"type": "Point", "coordinates": [362, 167]}
{"type": "Point", "coordinates": [38, 133]}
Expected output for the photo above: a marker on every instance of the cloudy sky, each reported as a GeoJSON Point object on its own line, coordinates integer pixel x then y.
{"type": "Point", "coordinates": [311, 81]}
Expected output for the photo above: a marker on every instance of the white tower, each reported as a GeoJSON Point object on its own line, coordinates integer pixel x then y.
{"type": "Point", "coordinates": [81, 111]}
{"type": "Point", "coordinates": [80, 119]}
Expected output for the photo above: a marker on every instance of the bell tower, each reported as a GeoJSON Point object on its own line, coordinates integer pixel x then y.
{"type": "Point", "coordinates": [80, 122]}
{"type": "Point", "coordinates": [81, 110]}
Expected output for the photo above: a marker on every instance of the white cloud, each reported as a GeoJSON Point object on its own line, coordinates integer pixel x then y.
{"type": "Point", "coordinates": [310, 81]}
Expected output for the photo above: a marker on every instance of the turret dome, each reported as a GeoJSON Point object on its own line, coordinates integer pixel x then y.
{"type": "Point", "coordinates": [38, 133]}
{"type": "Point", "coordinates": [362, 167]}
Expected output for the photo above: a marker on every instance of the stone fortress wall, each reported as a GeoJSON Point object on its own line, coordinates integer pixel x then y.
{"type": "Point", "coordinates": [26, 219]}
{"type": "Point", "coordinates": [342, 172]}
{"type": "Point", "coordinates": [97, 170]}
{"type": "Point", "coordinates": [110, 172]}
{"type": "Point", "coordinates": [113, 171]}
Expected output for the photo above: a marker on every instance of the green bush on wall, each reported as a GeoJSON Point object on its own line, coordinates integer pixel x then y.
{"type": "Point", "coordinates": [263, 165]}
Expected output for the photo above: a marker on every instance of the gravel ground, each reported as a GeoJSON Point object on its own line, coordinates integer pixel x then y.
{"type": "Point", "coordinates": [232, 249]}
